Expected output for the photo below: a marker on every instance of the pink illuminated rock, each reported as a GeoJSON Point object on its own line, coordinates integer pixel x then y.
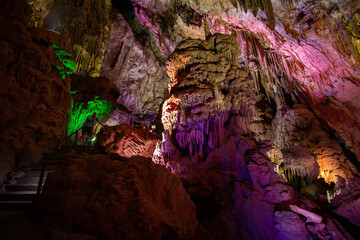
{"type": "Point", "coordinates": [288, 225]}
{"type": "Point", "coordinates": [309, 215]}
{"type": "Point", "coordinates": [208, 143]}
{"type": "Point", "coordinates": [346, 198]}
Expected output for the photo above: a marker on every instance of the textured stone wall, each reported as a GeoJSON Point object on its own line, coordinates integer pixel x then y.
{"type": "Point", "coordinates": [34, 98]}
{"type": "Point", "coordinates": [140, 78]}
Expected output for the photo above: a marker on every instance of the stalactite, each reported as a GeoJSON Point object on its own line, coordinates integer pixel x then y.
{"type": "Point", "coordinates": [269, 60]}
{"type": "Point", "coordinates": [288, 2]}
{"type": "Point", "coordinates": [254, 5]}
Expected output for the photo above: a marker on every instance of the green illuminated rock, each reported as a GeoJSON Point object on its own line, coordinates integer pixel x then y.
{"type": "Point", "coordinates": [69, 65]}
{"type": "Point", "coordinates": [80, 111]}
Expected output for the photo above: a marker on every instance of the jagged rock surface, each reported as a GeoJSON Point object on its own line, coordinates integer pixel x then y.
{"type": "Point", "coordinates": [140, 78]}
{"type": "Point", "coordinates": [207, 89]}
{"type": "Point", "coordinates": [298, 127]}
{"type": "Point", "coordinates": [126, 141]}
{"type": "Point", "coordinates": [111, 199]}
{"type": "Point", "coordinates": [346, 198]}
{"type": "Point", "coordinates": [312, 54]}
{"type": "Point", "coordinates": [34, 98]}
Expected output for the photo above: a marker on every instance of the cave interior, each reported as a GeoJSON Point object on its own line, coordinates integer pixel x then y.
{"type": "Point", "coordinates": [219, 119]}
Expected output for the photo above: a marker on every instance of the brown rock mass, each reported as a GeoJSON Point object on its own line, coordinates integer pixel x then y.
{"type": "Point", "coordinates": [110, 199]}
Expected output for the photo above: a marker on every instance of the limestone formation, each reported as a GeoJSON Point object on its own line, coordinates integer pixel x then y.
{"type": "Point", "coordinates": [141, 80]}
{"type": "Point", "coordinates": [86, 25]}
{"type": "Point", "coordinates": [258, 99]}
{"type": "Point", "coordinates": [311, 55]}
{"type": "Point", "coordinates": [207, 142]}
{"type": "Point", "coordinates": [298, 127]}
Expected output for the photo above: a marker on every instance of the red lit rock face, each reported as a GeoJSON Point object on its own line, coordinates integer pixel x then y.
{"type": "Point", "coordinates": [34, 98]}
{"type": "Point", "coordinates": [111, 199]}
{"type": "Point", "coordinates": [126, 141]}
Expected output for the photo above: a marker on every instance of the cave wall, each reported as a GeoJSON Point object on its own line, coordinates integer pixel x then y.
{"type": "Point", "coordinates": [86, 25]}
{"type": "Point", "coordinates": [139, 76]}
{"type": "Point", "coordinates": [35, 98]}
{"type": "Point", "coordinates": [244, 188]}
{"type": "Point", "coordinates": [308, 50]}
{"type": "Point", "coordinates": [302, 56]}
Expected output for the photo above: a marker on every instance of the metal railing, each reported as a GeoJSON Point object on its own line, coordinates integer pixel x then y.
{"type": "Point", "coordinates": [47, 160]}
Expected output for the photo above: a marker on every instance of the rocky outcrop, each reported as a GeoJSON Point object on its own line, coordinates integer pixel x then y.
{"type": "Point", "coordinates": [126, 141]}
{"type": "Point", "coordinates": [140, 78]}
{"type": "Point", "coordinates": [208, 89]}
{"type": "Point", "coordinates": [111, 199]}
{"type": "Point", "coordinates": [346, 199]}
{"type": "Point", "coordinates": [34, 97]}
{"type": "Point", "coordinates": [312, 54]}
{"type": "Point", "coordinates": [298, 127]}
{"type": "Point", "coordinates": [306, 48]}
{"type": "Point", "coordinates": [298, 165]}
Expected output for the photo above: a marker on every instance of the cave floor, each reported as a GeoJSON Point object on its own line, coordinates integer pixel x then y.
{"type": "Point", "coordinates": [21, 225]}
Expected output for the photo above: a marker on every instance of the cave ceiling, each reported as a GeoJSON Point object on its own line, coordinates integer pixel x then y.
{"type": "Point", "coordinates": [313, 43]}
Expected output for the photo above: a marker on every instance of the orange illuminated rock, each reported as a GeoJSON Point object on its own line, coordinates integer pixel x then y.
{"type": "Point", "coordinates": [126, 141]}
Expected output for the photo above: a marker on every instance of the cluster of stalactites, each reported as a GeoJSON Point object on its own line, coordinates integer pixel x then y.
{"type": "Point", "coordinates": [267, 59]}
{"type": "Point", "coordinates": [204, 134]}
{"type": "Point", "coordinates": [254, 5]}
{"type": "Point", "coordinates": [264, 5]}
{"type": "Point", "coordinates": [297, 165]}
{"type": "Point", "coordinates": [346, 29]}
